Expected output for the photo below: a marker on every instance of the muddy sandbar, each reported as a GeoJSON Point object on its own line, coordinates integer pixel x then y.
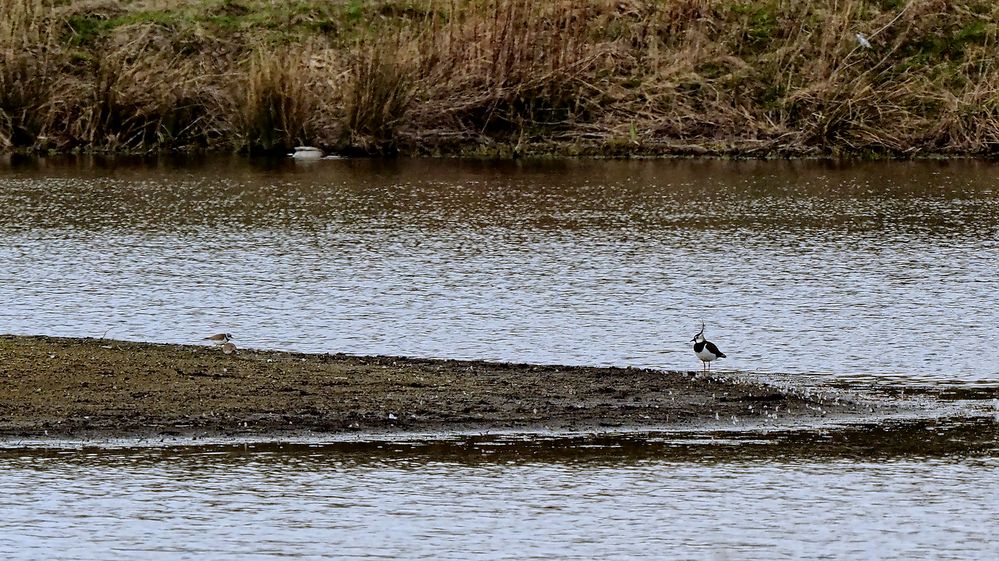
{"type": "Point", "coordinates": [100, 388]}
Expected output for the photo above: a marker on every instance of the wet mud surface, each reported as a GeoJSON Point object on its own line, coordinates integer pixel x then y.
{"type": "Point", "coordinates": [100, 388]}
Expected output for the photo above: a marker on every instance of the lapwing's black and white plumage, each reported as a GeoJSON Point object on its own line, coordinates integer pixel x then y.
{"type": "Point", "coordinates": [705, 350]}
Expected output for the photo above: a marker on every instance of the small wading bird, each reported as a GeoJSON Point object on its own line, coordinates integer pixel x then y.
{"type": "Point", "coordinates": [219, 338]}
{"type": "Point", "coordinates": [307, 153]}
{"type": "Point", "coordinates": [228, 348]}
{"type": "Point", "coordinates": [705, 350]}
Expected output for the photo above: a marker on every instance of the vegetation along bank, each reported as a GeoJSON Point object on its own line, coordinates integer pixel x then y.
{"type": "Point", "coordinates": [753, 78]}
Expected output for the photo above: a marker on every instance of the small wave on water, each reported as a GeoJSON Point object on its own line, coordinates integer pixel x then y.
{"type": "Point", "coordinates": [902, 489]}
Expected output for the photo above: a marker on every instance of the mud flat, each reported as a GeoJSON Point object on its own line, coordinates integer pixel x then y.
{"type": "Point", "coordinates": [100, 388]}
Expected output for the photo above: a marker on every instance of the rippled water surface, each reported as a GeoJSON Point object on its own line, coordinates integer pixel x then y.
{"type": "Point", "coordinates": [883, 269]}
{"type": "Point", "coordinates": [827, 273]}
{"type": "Point", "coordinates": [636, 497]}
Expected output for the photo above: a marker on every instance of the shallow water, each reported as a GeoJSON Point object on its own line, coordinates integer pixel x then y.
{"type": "Point", "coordinates": [851, 271]}
{"type": "Point", "coordinates": [806, 273]}
{"type": "Point", "coordinates": [694, 496]}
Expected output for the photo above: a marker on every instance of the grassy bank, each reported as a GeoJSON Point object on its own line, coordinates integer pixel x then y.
{"type": "Point", "coordinates": [485, 77]}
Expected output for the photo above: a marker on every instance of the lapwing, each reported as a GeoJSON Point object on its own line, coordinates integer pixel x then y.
{"type": "Point", "coordinates": [705, 350]}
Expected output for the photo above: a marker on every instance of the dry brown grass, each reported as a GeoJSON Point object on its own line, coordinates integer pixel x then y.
{"type": "Point", "coordinates": [27, 45]}
{"type": "Point", "coordinates": [141, 95]}
{"type": "Point", "coordinates": [276, 101]}
{"type": "Point", "coordinates": [504, 76]}
{"type": "Point", "coordinates": [379, 92]}
{"type": "Point", "coordinates": [508, 70]}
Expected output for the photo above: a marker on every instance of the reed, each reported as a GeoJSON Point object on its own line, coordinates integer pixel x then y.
{"type": "Point", "coordinates": [142, 96]}
{"type": "Point", "coordinates": [756, 77]}
{"type": "Point", "coordinates": [277, 103]}
{"type": "Point", "coordinates": [507, 63]}
{"type": "Point", "coordinates": [381, 88]}
{"type": "Point", "coordinates": [27, 57]}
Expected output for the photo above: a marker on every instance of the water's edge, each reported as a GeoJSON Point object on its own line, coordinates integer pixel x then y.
{"type": "Point", "coordinates": [71, 393]}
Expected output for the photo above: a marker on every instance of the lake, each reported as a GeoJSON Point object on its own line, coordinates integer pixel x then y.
{"type": "Point", "coordinates": [736, 496]}
{"type": "Point", "coordinates": [877, 275]}
{"type": "Point", "coordinates": [845, 270]}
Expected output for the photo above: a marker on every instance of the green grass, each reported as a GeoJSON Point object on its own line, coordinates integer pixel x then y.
{"type": "Point", "coordinates": [87, 30]}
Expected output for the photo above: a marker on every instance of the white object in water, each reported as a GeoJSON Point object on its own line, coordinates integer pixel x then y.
{"type": "Point", "coordinates": [307, 153]}
{"type": "Point", "coordinates": [862, 41]}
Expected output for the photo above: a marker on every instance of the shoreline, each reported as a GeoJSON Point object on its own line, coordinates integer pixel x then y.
{"type": "Point", "coordinates": [92, 389]}
{"type": "Point", "coordinates": [754, 79]}
{"type": "Point", "coordinates": [553, 151]}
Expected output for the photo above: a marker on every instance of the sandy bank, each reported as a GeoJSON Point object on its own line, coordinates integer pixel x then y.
{"type": "Point", "coordinates": [99, 388]}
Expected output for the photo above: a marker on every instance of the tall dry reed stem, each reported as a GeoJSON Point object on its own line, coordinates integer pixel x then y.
{"type": "Point", "coordinates": [27, 60]}
{"type": "Point", "coordinates": [382, 82]}
{"type": "Point", "coordinates": [503, 66]}
{"type": "Point", "coordinates": [277, 106]}
{"type": "Point", "coordinates": [25, 24]}
{"type": "Point", "coordinates": [140, 96]}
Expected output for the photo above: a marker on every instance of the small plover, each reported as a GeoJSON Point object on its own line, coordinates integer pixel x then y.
{"type": "Point", "coordinates": [705, 350]}
{"type": "Point", "coordinates": [219, 338]}
{"type": "Point", "coordinates": [228, 348]}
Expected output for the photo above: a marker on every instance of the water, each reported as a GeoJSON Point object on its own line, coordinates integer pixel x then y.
{"type": "Point", "coordinates": [612, 497]}
{"type": "Point", "coordinates": [854, 271]}
{"type": "Point", "coordinates": [807, 272]}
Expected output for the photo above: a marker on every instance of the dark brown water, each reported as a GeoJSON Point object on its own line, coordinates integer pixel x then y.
{"type": "Point", "coordinates": [850, 271]}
